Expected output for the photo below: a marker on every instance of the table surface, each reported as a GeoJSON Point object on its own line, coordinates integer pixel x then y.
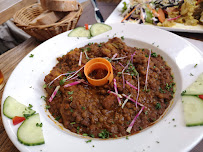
{"type": "Point", "coordinates": [10, 59]}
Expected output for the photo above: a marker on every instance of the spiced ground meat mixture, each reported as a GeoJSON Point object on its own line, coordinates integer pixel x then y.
{"type": "Point", "coordinates": [89, 110]}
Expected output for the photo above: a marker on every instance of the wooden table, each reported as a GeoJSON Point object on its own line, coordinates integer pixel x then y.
{"type": "Point", "coordinates": [10, 59]}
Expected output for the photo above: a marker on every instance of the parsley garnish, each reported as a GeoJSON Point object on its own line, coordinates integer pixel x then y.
{"type": "Point", "coordinates": [161, 90]}
{"type": "Point", "coordinates": [124, 7]}
{"type": "Point", "coordinates": [30, 106]}
{"type": "Point", "coordinates": [43, 97]}
{"type": "Point", "coordinates": [72, 123]}
{"type": "Point", "coordinates": [83, 108]}
{"type": "Point", "coordinates": [99, 45]}
{"type": "Point", "coordinates": [126, 137]}
{"type": "Point", "coordinates": [61, 82]}
{"type": "Point", "coordinates": [158, 106]}
{"type": "Point", "coordinates": [104, 134]}
{"type": "Point", "coordinates": [78, 130]}
{"type": "Point", "coordinates": [47, 106]}
{"type": "Point", "coordinates": [88, 141]}
{"type": "Point", "coordinates": [154, 55]}
{"type": "Point", "coordinates": [39, 125]}
{"type": "Point", "coordinates": [71, 98]}
{"type": "Point", "coordinates": [44, 86]}
{"type": "Point", "coordinates": [122, 37]}
{"type": "Point", "coordinates": [191, 74]}
{"type": "Point", "coordinates": [195, 66]}
{"type": "Point", "coordinates": [85, 134]}
{"type": "Point", "coordinates": [31, 55]}
{"type": "Point", "coordinates": [57, 118]}
{"type": "Point", "coordinates": [92, 135]}
{"type": "Point", "coordinates": [70, 92]}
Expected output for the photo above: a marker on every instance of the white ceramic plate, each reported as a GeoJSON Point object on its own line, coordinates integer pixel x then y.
{"type": "Point", "coordinates": [116, 17]}
{"type": "Point", "coordinates": [26, 85]}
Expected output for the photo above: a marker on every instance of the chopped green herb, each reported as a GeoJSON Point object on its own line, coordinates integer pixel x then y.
{"type": "Point", "coordinates": [71, 110]}
{"type": "Point", "coordinates": [191, 74]}
{"type": "Point", "coordinates": [195, 66]}
{"type": "Point", "coordinates": [26, 115]}
{"type": "Point", "coordinates": [78, 130]}
{"type": "Point", "coordinates": [88, 141]}
{"type": "Point", "coordinates": [146, 56]}
{"type": "Point", "coordinates": [92, 145]}
{"type": "Point", "coordinates": [44, 86]}
{"type": "Point", "coordinates": [85, 134]}
{"type": "Point", "coordinates": [70, 92]}
{"type": "Point", "coordinates": [99, 45]}
{"type": "Point", "coordinates": [154, 66]}
{"type": "Point", "coordinates": [104, 134]}
{"type": "Point", "coordinates": [30, 106]}
{"type": "Point", "coordinates": [88, 49]}
{"type": "Point", "coordinates": [116, 136]}
{"type": "Point", "coordinates": [126, 137]}
{"type": "Point", "coordinates": [31, 55]}
{"type": "Point", "coordinates": [161, 90]}
{"type": "Point", "coordinates": [122, 37]}
{"type": "Point", "coordinates": [173, 119]}
{"type": "Point", "coordinates": [146, 112]}
{"type": "Point", "coordinates": [57, 118]}
{"type": "Point", "coordinates": [124, 7]}
{"type": "Point", "coordinates": [71, 98]}
{"type": "Point", "coordinates": [47, 107]}
{"type": "Point", "coordinates": [90, 43]}
{"type": "Point", "coordinates": [43, 97]}
{"type": "Point", "coordinates": [143, 49]}
{"type": "Point", "coordinates": [39, 125]}
{"type": "Point", "coordinates": [168, 86]}
{"type": "Point", "coordinates": [61, 82]}
{"type": "Point", "coordinates": [140, 128]}
{"type": "Point", "coordinates": [154, 54]}
{"type": "Point", "coordinates": [83, 108]}
{"type": "Point", "coordinates": [92, 135]}
{"type": "Point", "coordinates": [158, 106]}
{"type": "Point", "coordinates": [72, 123]}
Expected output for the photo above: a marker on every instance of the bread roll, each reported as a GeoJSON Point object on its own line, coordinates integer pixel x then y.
{"type": "Point", "coordinates": [59, 5]}
{"type": "Point", "coordinates": [47, 17]}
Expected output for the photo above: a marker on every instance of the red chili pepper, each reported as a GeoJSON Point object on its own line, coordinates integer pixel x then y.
{"type": "Point", "coordinates": [201, 96]}
{"type": "Point", "coordinates": [17, 120]}
{"type": "Point", "coordinates": [86, 26]}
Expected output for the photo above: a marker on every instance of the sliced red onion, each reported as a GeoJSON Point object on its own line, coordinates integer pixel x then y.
{"type": "Point", "coordinates": [123, 74]}
{"type": "Point", "coordinates": [132, 56]}
{"type": "Point", "coordinates": [75, 73]}
{"type": "Point", "coordinates": [86, 55]}
{"type": "Point", "coordinates": [147, 70]}
{"type": "Point", "coordinates": [116, 94]}
{"type": "Point", "coordinates": [133, 122]}
{"type": "Point", "coordinates": [138, 90]}
{"type": "Point", "coordinates": [132, 100]}
{"type": "Point", "coordinates": [73, 83]}
{"type": "Point", "coordinates": [80, 60]}
{"type": "Point", "coordinates": [170, 19]}
{"type": "Point", "coordinates": [121, 64]}
{"type": "Point", "coordinates": [116, 91]}
{"type": "Point", "coordinates": [114, 56]}
{"type": "Point", "coordinates": [54, 93]}
{"type": "Point", "coordinates": [131, 85]}
{"type": "Point", "coordinates": [126, 100]}
{"type": "Point", "coordinates": [113, 67]}
{"type": "Point", "coordinates": [120, 58]}
{"type": "Point", "coordinates": [60, 76]}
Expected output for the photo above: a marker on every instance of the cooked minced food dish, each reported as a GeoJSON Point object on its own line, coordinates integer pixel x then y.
{"type": "Point", "coordinates": [139, 94]}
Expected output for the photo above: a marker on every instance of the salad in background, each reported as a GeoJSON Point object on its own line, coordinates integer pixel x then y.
{"type": "Point", "coordinates": [164, 12]}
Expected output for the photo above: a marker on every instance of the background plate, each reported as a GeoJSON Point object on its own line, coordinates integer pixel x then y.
{"type": "Point", "coordinates": [26, 85]}
{"type": "Point", "coordinates": [116, 17]}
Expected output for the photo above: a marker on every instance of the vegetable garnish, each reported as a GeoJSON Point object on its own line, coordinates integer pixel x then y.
{"type": "Point", "coordinates": [16, 120]}
{"type": "Point", "coordinates": [73, 83]}
{"type": "Point", "coordinates": [121, 64]}
{"type": "Point", "coordinates": [161, 16]}
{"type": "Point", "coordinates": [96, 64]}
{"type": "Point", "coordinates": [116, 94]}
{"type": "Point", "coordinates": [132, 100]}
{"type": "Point", "coordinates": [114, 56]}
{"type": "Point", "coordinates": [115, 87]}
{"type": "Point", "coordinates": [74, 73]}
{"type": "Point", "coordinates": [60, 76]}
{"type": "Point", "coordinates": [138, 90]}
{"type": "Point", "coordinates": [128, 15]}
{"type": "Point", "coordinates": [200, 96]}
{"type": "Point", "coordinates": [126, 100]}
{"type": "Point", "coordinates": [132, 123]}
{"type": "Point", "coordinates": [120, 58]}
{"type": "Point", "coordinates": [145, 87]}
{"type": "Point", "coordinates": [86, 26]}
{"type": "Point", "coordinates": [123, 74]}
{"type": "Point", "coordinates": [170, 19]}
{"type": "Point", "coordinates": [54, 93]}
{"type": "Point", "coordinates": [132, 85]}
{"type": "Point", "coordinates": [80, 60]}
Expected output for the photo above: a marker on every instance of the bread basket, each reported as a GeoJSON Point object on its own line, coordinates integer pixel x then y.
{"type": "Point", "coordinates": [43, 32]}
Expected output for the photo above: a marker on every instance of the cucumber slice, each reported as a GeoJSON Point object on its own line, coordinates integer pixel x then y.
{"type": "Point", "coordinates": [193, 110]}
{"type": "Point", "coordinates": [99, 28]}
{"type": "Point", "coordinates": [29, 133]}
{"type": "Point", "coordinates": [12, 108]}
{"type": "Point", "coordinates": [80, 32]}
{"type": "Point", "coordinates": [195, 88]}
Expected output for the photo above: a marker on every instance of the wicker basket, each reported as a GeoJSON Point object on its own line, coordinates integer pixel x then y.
{"type": "Point", "coordinates": [43, 32]}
